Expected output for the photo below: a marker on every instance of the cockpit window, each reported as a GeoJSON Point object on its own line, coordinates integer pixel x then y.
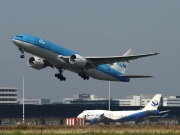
{"type": "Point", "coordinates": [19, 36]}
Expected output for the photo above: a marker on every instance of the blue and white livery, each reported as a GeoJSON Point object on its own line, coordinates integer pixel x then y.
{"type": "Point", "coordinates": [105, 116]}
{"type": "Point", "coordinates": [110, 68]}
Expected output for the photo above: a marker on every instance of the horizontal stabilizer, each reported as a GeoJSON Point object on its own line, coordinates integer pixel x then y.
{"type": "Point", "coordinates": [165, 111]}
{"type": "Point", "coordinates": [135, 76]}
{"type": "Point", "coordinates": [165, 115]}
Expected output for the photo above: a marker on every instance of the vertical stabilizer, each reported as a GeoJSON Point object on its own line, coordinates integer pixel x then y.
{"type": "Point", "coordinates": [122, 66]}
{"type": "Point", "coordinates": [154, 103]}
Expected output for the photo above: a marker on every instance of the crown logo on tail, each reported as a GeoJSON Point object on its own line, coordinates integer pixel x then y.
{"type": "Point", "coordinates": [154, 103]}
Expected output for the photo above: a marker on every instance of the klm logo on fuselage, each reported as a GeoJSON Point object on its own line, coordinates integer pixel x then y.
{"type": "Point", "coordinates": [41, 41]}
{"type": "Point", "coordinates": [121, 64]}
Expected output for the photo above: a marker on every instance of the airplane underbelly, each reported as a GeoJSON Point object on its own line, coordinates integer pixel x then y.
{"type": "Point", "coordinates": [94, 73]}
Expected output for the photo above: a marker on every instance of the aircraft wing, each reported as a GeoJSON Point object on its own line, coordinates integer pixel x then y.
{"type": "Point", "coordinates": [93, 61]}
{"type": "Point", "coordinates": [111, 59]}
{"type": "Point", "coordinates": [103, 119]}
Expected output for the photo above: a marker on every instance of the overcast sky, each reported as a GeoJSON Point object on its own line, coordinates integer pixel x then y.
{"type": "Point", "coordinates": [100, 28]}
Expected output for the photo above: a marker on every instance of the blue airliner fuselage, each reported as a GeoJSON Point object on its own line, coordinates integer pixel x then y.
{"type": "Point", "coordinates": [49, 54]}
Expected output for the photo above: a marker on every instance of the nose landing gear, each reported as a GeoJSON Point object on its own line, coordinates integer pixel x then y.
{"type": "Point", "coordinates": [22, 51]}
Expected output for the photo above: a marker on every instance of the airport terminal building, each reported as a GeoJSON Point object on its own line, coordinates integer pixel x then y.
{"type": "Point", "coordinates": [131, 100]}
{"type": "Point", "coordinates": [8, 95]}
{"type": "Point", "coordinates": [32, 101]}
{"type": "Point", "coordinates": [39, 111]}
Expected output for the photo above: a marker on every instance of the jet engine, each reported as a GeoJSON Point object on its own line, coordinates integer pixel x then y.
{"type": "Point", "coordinates": [77, 60]}
{"type": "Point", "coordinates": [36, 63]}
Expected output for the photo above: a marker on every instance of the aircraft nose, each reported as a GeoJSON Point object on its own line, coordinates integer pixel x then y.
{"type": "Point", "coordinates": [80, 116]}
{"type": "Point", "coordinates": [15, 41]}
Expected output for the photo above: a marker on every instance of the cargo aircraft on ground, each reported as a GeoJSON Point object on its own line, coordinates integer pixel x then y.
{"type": "Point", "coordinates": [106, 116]}
{"type": "Point", "coordinates": [109, 68]}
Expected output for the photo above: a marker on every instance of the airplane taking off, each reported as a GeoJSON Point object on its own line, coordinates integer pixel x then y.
{"type": "Point", "coordinates": [109, 68]}
{"type": "Point", "coordinates": [150, 110]}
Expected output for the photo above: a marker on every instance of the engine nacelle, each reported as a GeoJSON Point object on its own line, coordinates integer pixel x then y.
{"type": "Point", "coordinates": [36, 63]}
{"type": "Point", "coordinates": [77, 60]}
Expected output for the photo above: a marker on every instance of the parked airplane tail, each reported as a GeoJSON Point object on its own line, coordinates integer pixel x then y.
{"type": "Point", "coordinates": [154, 103]}
{"type": "Point", "coordinates": [122, 65]}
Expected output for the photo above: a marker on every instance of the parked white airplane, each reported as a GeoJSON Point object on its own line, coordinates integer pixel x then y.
{"type": "Point", "coordinates": [106, 116]}
{"type": "Point", "coordinates": [110, 68]}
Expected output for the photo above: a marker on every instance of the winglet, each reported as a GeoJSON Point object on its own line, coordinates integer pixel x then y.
{"type": "Point", "coordinates": [129, 52]}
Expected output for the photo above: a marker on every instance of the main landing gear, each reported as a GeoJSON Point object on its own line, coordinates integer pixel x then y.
{"type": "Point", "coordinates": [22, 51]}
{"type": "Point", "coordinates": [60, 75]}
{"type": "Point", "coordinates": [84, 76]}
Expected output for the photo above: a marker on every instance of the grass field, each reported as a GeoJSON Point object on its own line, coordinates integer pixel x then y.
{"type": "Point", "coordinates": [92, 130]}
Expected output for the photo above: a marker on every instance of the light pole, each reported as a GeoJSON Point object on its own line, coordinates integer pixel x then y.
{"type": "Point", "coordinates": [109, 95]}
{"type": "Point", "coordinates": [23, 99]}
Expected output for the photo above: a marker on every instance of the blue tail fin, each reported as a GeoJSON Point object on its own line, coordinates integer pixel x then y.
{"type": "Point", "coordinates": [122, 66]}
